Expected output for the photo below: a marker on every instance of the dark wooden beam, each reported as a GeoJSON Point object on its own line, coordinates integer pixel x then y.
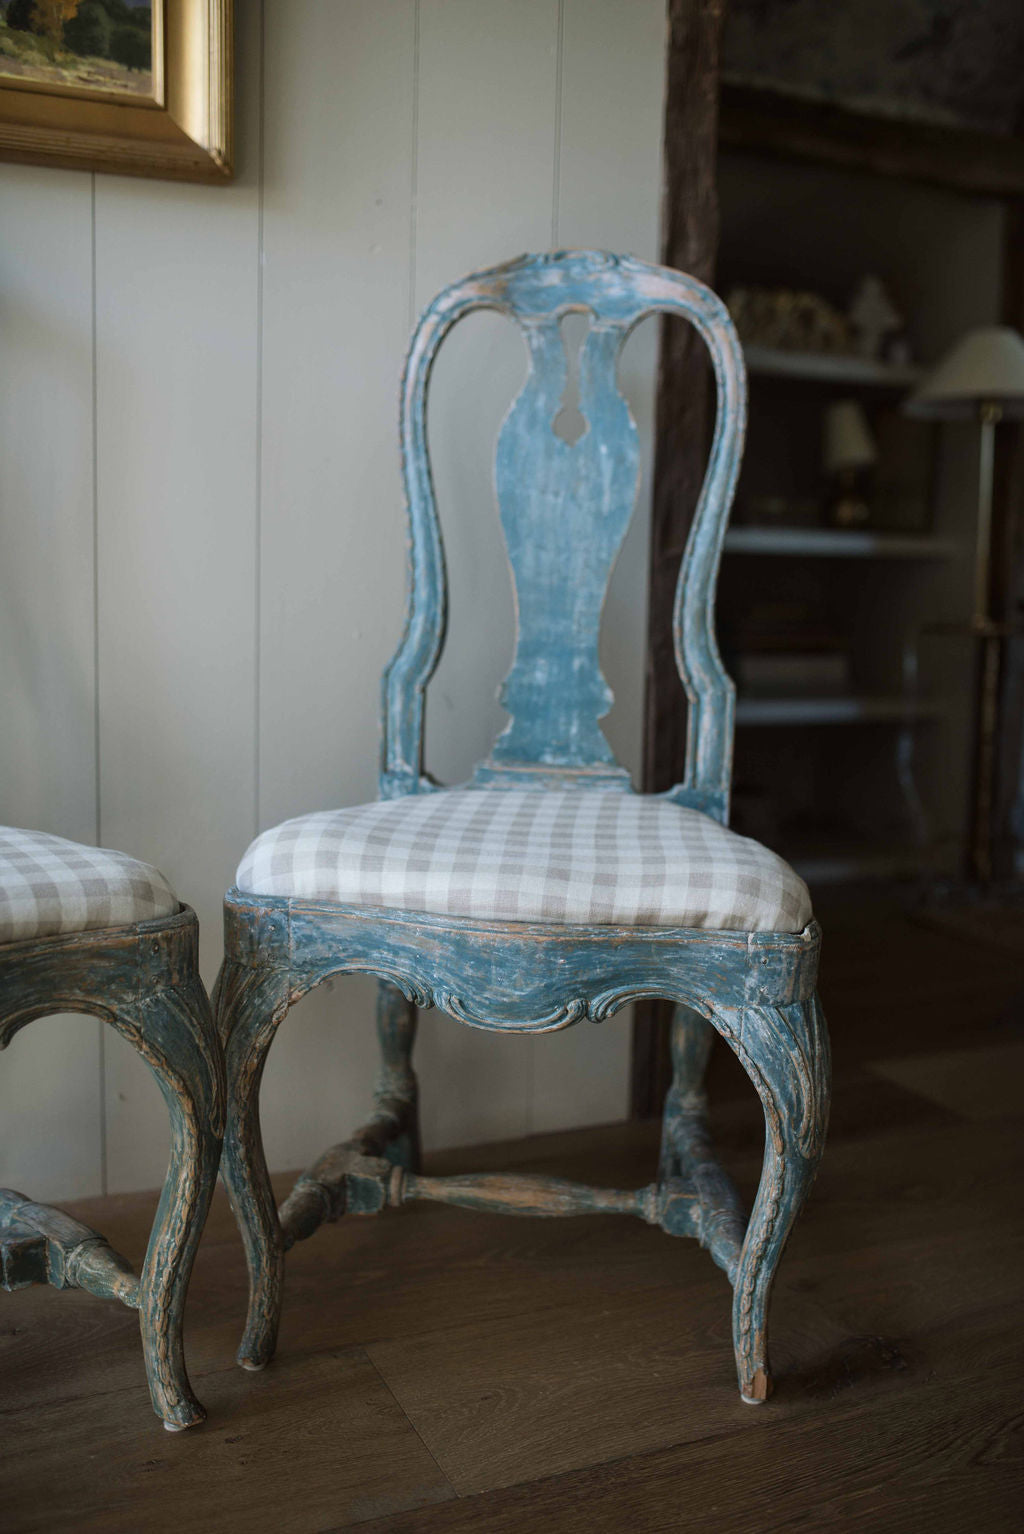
{"type": "Point", "coordinates": [689, 242]}
{"type": "Point", "coordinates": [1008, 580]}
{"type": "Point", "coordinates": [771, 122]}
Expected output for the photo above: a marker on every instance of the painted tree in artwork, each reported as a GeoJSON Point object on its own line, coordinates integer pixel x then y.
{"type": "Point", "coordinates": [18, 15]}
{"type": "Point", "coordinates": [49, 16]}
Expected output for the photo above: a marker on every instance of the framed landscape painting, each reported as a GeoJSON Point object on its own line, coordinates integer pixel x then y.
{"type": "Point", "coordinates": [138, 87]}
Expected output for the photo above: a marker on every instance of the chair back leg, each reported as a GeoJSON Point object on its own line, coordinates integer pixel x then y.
{"type": "Point", "coordinates": [397, 1094]}
{"type": "Point", "coordinates": [686, 1103]}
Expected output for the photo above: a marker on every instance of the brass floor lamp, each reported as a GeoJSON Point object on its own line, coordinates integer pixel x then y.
{"type": "Point", "coordinates": [981, 379]}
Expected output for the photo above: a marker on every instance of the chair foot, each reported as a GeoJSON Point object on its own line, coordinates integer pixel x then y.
{"type": "Point", "coordinates": [183, 1427]}
{"type": "Point", "coordinates": [757, 1390]}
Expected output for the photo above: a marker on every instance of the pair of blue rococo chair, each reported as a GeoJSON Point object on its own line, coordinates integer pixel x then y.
{"type": "Point", "coordinates": [542, 893]}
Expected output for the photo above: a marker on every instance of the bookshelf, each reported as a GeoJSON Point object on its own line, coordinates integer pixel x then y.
{"type": "Point", "coordinates": [816, 367]}
{"type": "Point", "coordinates": [855, 764]}
{"type": "Point", "coordinates": [843, 709]}
{"type": "Point", "coordinates": [838, 543]}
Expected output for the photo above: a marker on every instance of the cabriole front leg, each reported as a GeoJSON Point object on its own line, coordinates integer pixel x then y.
{"type": "Point", "coordinates": [250, 1003]}
{"type": "Point", "coordinates": [785, 1052]}
{"type": "Point", "coordinates": [173, 1030]}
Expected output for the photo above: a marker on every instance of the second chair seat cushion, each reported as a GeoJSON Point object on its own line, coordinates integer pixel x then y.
{"type": "Point", "coordinates": [565, 855]}
{"type": "Point", "coordinates": [50, 886]}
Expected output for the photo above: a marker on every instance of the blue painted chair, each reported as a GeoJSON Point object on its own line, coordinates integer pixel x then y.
{"type": "Point", "coordinates": [545, 892]}
{"type": "Point", "coordinates": [86, 930]}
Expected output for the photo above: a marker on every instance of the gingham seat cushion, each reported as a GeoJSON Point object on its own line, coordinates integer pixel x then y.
{"type": "Point", "coordinates": [49, 886]}
{"type": "Point", "coordinates": [587, 856]}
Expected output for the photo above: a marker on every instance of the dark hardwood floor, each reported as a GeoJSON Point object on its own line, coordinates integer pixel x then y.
{"type": "Point", "coordinates": [443, 1371]}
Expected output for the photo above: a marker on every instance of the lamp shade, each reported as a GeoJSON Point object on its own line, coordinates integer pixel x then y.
{"type": "Point", "coordinates": [985, 367]}
{"type": "Point", "coordinates": [848, 440]}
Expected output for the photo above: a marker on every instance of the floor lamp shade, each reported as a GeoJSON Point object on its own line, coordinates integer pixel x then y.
{"type": "Point", "coordinates": [984, 368]}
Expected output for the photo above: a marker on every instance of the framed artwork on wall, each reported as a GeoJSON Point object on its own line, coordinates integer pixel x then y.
{"type": "Point", "coordinates": [136, 87]}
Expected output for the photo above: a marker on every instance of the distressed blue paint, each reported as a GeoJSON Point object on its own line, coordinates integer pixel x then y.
{"type": "Point", "coordinates": [530, 977]}
{"type": "Point", "coordinates": [564, 510]}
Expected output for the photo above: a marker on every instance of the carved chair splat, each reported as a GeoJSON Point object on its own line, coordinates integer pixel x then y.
{"type": "Point", "coordinates": [71, 945]}
{"type": "Point", "coordinates": [512, 935]}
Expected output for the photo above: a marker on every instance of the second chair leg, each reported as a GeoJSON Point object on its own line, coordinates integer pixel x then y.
{"type": "Point", "coordinates": [173, 1030]}
{"type": "Point", "coordinates": [250, 1004]}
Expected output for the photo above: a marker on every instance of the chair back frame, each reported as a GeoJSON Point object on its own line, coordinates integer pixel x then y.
{"type": "Point", "coordinates": [565, 507]}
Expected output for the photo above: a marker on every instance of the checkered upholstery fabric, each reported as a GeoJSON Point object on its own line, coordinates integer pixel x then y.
{"type": "Point", "coordinates": [49, 886]}
{"type": "Point", "coordinates": [588, 856]}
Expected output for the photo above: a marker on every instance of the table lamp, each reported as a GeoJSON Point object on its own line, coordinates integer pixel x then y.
{"type": "Point", "coordinates": [849, 450]}
{"type": "Point", "coordinates": [980, 379]}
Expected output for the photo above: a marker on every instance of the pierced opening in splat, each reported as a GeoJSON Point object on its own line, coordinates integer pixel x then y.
{"type": "Point", "coordinates": [569, 422]}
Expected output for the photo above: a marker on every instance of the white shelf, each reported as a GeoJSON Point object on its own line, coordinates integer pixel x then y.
{"type": "Point", "coordinates": [835, 710]}
{"type": "Point", "coordinates": [838, 543]}
{"type": "Point", "coordinates": [826, 367]}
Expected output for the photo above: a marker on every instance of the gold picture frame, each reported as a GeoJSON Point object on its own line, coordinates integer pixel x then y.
{"type": "Point", "coordinates": [183, 131]}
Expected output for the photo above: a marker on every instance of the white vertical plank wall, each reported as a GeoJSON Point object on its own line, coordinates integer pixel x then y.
{"type": "Point", "coordinates": [176, 434]}
{"type": "Point", "coordinates": [337, 197]}
{"type": "Point", "coordinates": [201, 528]}
{"type": "Point", "coordinates": [51, 1076]}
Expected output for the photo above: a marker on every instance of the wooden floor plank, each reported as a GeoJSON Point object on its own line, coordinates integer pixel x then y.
{"type": "Point", "coordinates": [440, 1370]}
{"type": "Point", "coordinates": [523, 1397]}
{"type": "Point", "coordinates": [897, 1463]}
{"type": "Point", "coordinates": [366, 1280]}
{"type": "Point", "coordinates": [319, 1442]}
{"type": "Point", "coordinates": [984, 1082]}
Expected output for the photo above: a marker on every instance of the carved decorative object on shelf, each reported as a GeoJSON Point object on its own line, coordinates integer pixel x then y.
{"type": "Point", "coordinates": [873, 319]}
{"type": "Point", "coordinates": [789, 320]}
